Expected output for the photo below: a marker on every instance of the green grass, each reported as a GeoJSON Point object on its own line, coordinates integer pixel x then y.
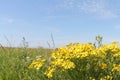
{"type": "Point", "coordinates": [14, 63]}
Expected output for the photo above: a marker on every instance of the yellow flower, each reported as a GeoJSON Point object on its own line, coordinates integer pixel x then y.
{"type": "Point", "coordinates": [103, 66]}
{"type": "Point", "coordinates": [50, 71]}
{"type": "Point", "coordinates": [83, 57]}
{"type": "Point", "coordinates": [114, 47]}
{"type": "Point", "coordinates": [117, 55]}
{"type": "Point", "coordinates": [91, 78]}
{"type": "Point", "coordinates": [66, 64]}
{"type": "Point", "coordinates": [37, 64]}
{"type": "Point", "coordinates": [116, 67]}
{"type": "Point", "coordinates": [108, 77]}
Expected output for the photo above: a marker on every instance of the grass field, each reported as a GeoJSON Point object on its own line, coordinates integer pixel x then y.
{"type": "Point", "coordinates": [14, 63]}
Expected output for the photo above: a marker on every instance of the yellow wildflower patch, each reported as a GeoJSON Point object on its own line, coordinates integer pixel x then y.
{"type": "Point", "coordinates": [37, 64]}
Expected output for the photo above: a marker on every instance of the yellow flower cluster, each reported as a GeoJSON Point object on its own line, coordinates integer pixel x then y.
{"type": "Point", "coordinates": [116, 67]}
{"type": "Point", "coordinates": [50, 71]}
{"type": "Point", "coordinates": [62, 56]}
{"type": "Point", "coordinates": [84, 57]}
{"type": "Point", "coordinates": [37, 64]}
{"type": "Point", "coordinates": [66, 64]}
{"type": "Point", "coordinates": [103, 66]}
{"type": "Point", "coordinates": [116, 55]}
{"type": "Point", "coordinates": [59, 63]}
{"type": "Point", "coordinates": [108, 77]}
{"type": "Point", "coordinates": [75, 50]}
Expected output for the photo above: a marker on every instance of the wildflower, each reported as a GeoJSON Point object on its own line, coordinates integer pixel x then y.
{"type": "Point", "coordinates": [66, 64]}
{"type": "Point", "coordinates": [37, 64]}
{"type": "Point", "coordinates": [50, 71]}
{"type": "Point", "coordinates": [116, 67]}
{"type": "Point", "coordinates": [108, 77]}
{"type": "Point", "coordinates": [103, 66]}
{"type": "Point", "coordinates": [38, 57]}
{"type": "Point", "coordinates": [83, 57]}
{"type": "Point", "coordinates": [117, 55]}
{"type": "Point", "coordinates": [91, 78]}
{"type": "Point", "coordinates": [28, 57]}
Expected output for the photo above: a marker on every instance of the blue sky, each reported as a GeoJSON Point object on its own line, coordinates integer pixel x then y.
{"type": "Point", "coordinates": [68, 21]}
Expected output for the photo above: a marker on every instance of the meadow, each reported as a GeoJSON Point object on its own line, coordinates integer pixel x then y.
{"type": "Point", "coordinates": [75, 61]}
{"type": "Point", "coordinates": [14, 63]}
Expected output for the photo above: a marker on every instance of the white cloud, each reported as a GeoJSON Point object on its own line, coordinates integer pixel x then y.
{"type": "Point", "coordinates": [98, 8]}
{"type": "Point", "coordinates": [92, 7]}
{"type": "Point", "coordinates": [68, 4]}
